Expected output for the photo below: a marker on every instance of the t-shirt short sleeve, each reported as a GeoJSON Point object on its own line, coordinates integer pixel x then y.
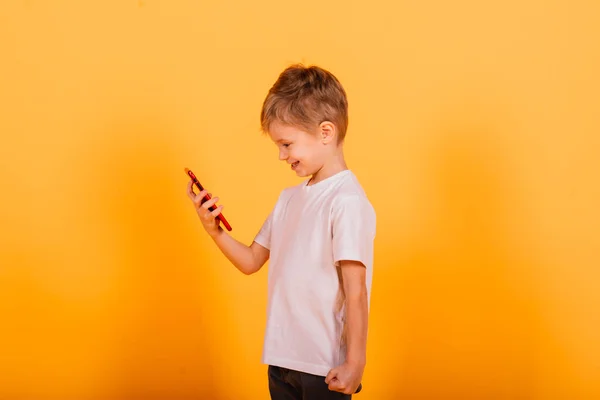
{"type": "Point", "coordinates": [263, 237]}
{"type": "Point", "coordinates": [353, 228]}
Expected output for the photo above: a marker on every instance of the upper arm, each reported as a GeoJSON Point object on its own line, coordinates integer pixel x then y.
{"type": "Point", "coordinates": [353, 231]}
{"type": "Point", "coordinates": [260, 254]}
{"type": "Point", "coordinates": [261, 244]}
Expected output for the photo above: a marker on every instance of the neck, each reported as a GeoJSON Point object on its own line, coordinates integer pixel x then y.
{"type": "Point", "coordinates": [333, 166]}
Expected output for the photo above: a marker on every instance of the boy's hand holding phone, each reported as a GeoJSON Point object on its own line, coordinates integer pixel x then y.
{"type": "Point", "coordinates": [208, 218]}
{"type": "Point", "coordinates": [209, 214]}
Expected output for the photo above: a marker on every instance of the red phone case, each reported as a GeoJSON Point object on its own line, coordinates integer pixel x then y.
{"type": "Point", "coordinates": [221, 217]}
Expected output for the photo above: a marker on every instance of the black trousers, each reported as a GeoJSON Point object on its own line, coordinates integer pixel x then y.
{"type": "Point", "coordinates": [287, 384]}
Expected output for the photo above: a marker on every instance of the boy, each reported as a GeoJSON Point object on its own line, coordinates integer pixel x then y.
{"type": "Point", "coordinates": [319, 240]}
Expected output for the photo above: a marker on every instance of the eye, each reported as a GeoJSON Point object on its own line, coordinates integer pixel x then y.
{"type": "Point", "coordinates": [286, 144]}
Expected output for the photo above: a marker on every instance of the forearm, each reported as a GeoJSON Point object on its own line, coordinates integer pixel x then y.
{"type": "Point", "coordinates": [356, 327]}
{"type": "Point", "coordinates": [240, 255]}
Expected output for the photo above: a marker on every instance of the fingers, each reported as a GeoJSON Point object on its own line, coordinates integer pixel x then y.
{"type": "Point", "coordinates": [338, 386]}
{"type": "Point", "coordinates": [217, 210]}
{"type": "Point", "coordinates": [335, 385]}
{"type": "Point", "coordinates": [209, 203]}
{"type": "Point", "coordinates": [204, 206]}
{"type": "Point", "coordinates": [335, 382]}
{"type": "Point", "coordinates": [332, 374]}
{"type": "Point", "coordinates": [194, 196]}
{"type": "Point", "coordinates": [190, 190]}
{"type": "Point", "coordinates": [199, 198]}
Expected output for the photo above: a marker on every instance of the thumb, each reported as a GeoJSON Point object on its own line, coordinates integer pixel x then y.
{"type": "Point", "coordinates": [335, 385]}
{"type": "Point", "coordinates": [332, 374]}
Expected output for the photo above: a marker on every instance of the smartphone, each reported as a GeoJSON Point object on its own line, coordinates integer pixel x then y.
{"type": "Point", "coordinates": [220, 217]}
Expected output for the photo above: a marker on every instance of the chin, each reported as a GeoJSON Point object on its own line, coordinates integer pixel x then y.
{"type": "Point", "coordinates": [303, 173]}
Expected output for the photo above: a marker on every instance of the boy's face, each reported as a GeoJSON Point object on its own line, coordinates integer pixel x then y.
{"type": "Point", "coordinates": [304, 151]}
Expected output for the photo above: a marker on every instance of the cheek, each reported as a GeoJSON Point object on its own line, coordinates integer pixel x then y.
{"type": "Point", "coordinates": [298, 153]}
{"type": "Point", "coordinates": [305, 153]}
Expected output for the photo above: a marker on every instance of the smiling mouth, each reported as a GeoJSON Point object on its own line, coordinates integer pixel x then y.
{"type": "Point", "coordinates": [294, 165]}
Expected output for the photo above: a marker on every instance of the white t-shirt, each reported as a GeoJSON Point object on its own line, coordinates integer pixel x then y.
{"type": "Point", "coordinates": [311, 229]}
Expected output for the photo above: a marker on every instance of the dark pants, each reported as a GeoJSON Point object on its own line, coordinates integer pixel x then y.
{"type": "Point", "coordinates": [287, 384]}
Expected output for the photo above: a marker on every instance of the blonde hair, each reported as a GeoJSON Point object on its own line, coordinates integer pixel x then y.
{"type": "Point", "coordinates": [306, 96]}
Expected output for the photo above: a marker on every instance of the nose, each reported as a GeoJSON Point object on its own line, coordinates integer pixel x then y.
{"type": "Point", "coordinates": [283, 154]}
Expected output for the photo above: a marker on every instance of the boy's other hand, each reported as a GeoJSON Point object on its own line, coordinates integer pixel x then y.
{"type": "Point", "coordinates": [345, 378]}
{"type": "Point", "coordinates": [207, 217]}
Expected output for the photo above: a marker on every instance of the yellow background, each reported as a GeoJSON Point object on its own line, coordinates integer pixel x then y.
{"type": "Point", "coordinates": [474, 129]}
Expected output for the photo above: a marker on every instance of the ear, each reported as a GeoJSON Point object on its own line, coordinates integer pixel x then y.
{"type": "Point", "coordinates": [327, 132]}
